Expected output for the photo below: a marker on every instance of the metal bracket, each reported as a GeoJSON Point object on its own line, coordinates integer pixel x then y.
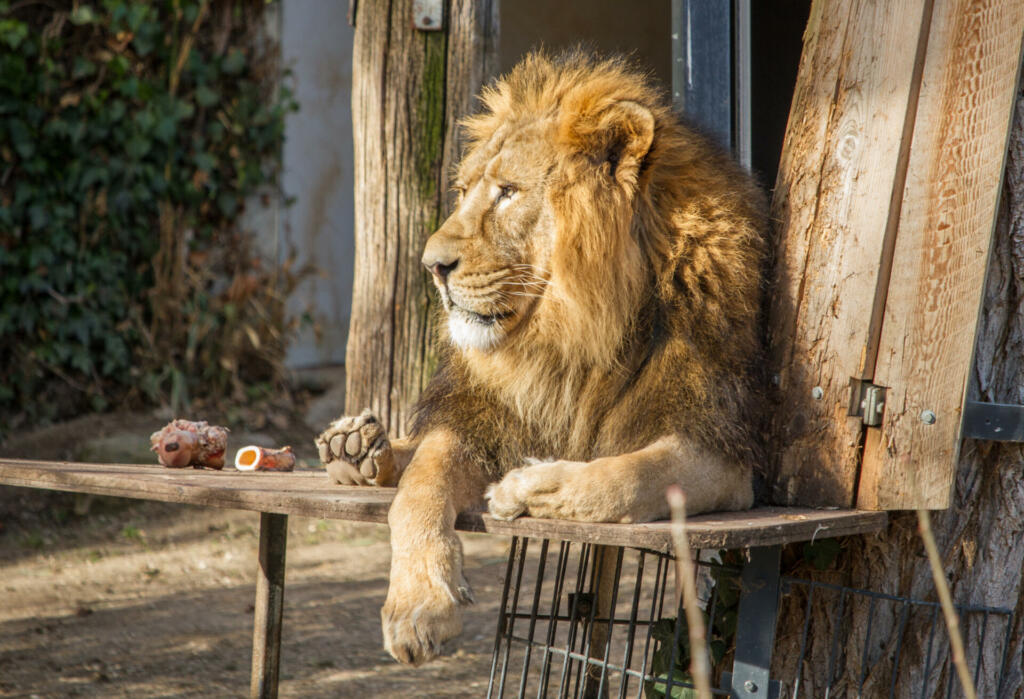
{"type": "Point", "coordinates": [867, 401]}
{"type": "Point", "coordinates": [995, 422]}
{"type": "Point", "coordinates": [755, 624]}
{"type": "Point", "coordinates": [428, 15]}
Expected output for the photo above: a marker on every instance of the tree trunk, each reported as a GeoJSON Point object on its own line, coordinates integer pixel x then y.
{"type": "Point", "coordinates": [981, 536]}
{"type": "Point", "coordinates": [410, 89]}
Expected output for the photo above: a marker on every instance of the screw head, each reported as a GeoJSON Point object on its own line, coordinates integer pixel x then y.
{"type": "Point", "coordinates": [928, 417]}
{"type": "Point", "coordinates": [817, 393]}
{"type": "Point", "coordinates": [750, 686]}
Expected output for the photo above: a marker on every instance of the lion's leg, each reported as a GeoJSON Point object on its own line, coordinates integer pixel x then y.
{"type": "Point", "coordinates": [624, 488]}
{"type": "Point", "coordinates": [427, 588]}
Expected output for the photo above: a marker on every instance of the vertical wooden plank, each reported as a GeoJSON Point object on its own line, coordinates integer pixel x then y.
{"type": "Point", "coordinates": [410, 88]}
{"type": "Point", "coordinates": [941, 254]}
{"type": "Point", "coordinates": [846, 144]}
{"type": "Point", "coordinates": [269, 606]}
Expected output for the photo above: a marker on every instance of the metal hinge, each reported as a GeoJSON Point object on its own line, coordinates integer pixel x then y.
{"type": "Point", "coordinates": [867, 401]}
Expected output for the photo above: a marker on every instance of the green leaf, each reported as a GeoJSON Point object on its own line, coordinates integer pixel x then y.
{"type": "Point", "coordinates": [234, 62]}
{"type": "Point", "coordinates": [83, 14]}
{"type": "Point", "coordinates": [204, 161]}
{"type": "Point", "coordinates": [821, 554]}
{"type": "Point", "coordinates": [13, 32]}
{"type": "Point", "coordinates": [82, 68]}
{"type": "Point", "coordinates": [206, 97]}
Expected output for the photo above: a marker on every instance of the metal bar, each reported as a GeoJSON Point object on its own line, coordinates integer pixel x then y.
{"type": "Point", "coordinates": [994, 422]}
{"type": "Point", "coordinates": [581, 568]}
{"type": "Point", "coordinates": [742, 84]}
{"type": "Point", "coordinates": [702, 65]}
{"type": "Point", "coordinates": [755, 624]}
{"type": "Point", "coordinates": [658, 582]}
{"type": "Point", "coordinates": [928, 653]}
{"type": "Point", "coordinates": [1006, 654]}
{"type": "Point", "coordinates": [533, 616]}
{"type": "Point", "coordinates": [904, 617]}
{"type": "Point", "coordinates": [502, 615]}
{"type": "Point", "coordinates": [803, 641]}
{"type": "Point", "coordinates": [981, 647]}
{"type": "Point", "coordinates": [556, 600]}
{"type": "Point", "coordinates": [867, 646]}
{"type": "Point", "coordinates": [627, 657]}
{"type": "Point", "coordinates": [511, 618]}
{"type": "Point", "coordinates": [835, 643]}
{"type": "Point", "coordinates": [601, 688]}
{"type": "Point", "coordinates": [266, 633]}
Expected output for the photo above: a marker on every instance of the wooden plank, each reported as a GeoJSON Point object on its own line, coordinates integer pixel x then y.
{"type": "Point", "coordinates": [845, 147]}
{"type": "Point", "coordinates": [941, 255]}
{"type": "Point", "coordinates": [308, 494]}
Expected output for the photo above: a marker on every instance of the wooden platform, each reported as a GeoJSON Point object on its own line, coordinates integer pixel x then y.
{"type": "Point", "coordinates": [308, 494]}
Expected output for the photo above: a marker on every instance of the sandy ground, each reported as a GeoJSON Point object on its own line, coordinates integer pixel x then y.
{"type": "Point", "coordinates": [142, 599]}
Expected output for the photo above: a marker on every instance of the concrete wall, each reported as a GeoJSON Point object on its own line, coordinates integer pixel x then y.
{"type": "Point", "coordinates": [316, 45]}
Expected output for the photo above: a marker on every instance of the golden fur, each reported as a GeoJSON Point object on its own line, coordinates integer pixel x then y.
{"type": "Point", "coordinates": [601, 278]}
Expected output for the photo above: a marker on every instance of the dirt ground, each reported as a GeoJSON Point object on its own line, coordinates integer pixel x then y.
{"type": "Point", "coordinates": [143, 599]}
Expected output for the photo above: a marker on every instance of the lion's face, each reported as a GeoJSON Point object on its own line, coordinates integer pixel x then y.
{"type": "Point", "coordinates": [490, 259]}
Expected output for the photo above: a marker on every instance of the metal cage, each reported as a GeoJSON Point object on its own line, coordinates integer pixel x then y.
{"type": "Point", "coordinates": [583, 620]}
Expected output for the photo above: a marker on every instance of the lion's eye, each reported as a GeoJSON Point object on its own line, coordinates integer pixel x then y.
{"type": "Point", "coordinates": [506, 191]}
{"type": "Point", "coordinates": [460, 192]}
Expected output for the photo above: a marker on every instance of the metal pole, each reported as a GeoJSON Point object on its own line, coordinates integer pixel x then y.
{"type": "Point", "coordinates": [755, 625]}
{"type": "Point", "coordinates": [266, 634]}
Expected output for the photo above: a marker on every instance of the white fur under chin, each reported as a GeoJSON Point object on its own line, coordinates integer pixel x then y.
{"type": "Point", "coordinates": [467, 333]}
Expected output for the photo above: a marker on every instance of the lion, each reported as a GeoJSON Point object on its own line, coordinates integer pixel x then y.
{"type": "Point", "coordinates": [601, 282]}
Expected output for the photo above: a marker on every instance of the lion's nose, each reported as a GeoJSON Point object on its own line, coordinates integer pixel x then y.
{"type": "Point", "coordinates": [441, 270]}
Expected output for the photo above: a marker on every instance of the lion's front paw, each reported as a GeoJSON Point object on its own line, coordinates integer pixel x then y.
{"type": "Point", "coordinates": [417, 619]}
{"type": "Point", "coordinates": [533, 489]}
{"type": "Point", "coordinates": [356, 451]}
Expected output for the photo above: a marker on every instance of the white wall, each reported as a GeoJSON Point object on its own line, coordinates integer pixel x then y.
{"type": "Point", "coordinates": [316, 45]}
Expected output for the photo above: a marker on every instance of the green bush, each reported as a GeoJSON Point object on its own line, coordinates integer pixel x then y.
{"type": "Point", "coordinates": [131, 135]}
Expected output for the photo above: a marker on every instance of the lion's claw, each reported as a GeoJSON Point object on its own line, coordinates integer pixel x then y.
{"type": "Point", "coordinates": [356, 451]}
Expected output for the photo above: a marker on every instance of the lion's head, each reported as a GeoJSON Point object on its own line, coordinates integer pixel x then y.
{"type": "Point", "coordinates": [587, 214]}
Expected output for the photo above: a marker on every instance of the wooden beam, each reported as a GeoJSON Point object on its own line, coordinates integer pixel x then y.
{"type": "Point", "coordinates": [945, 230]}
{"type": "Point", "coordinates": [269, 607]}
{"type": "Point", "coordinates": [308, 494]}
{"type": "Point", "coordinates": [846, 145]}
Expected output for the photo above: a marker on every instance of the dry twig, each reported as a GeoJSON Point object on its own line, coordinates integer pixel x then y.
{"type": "Point", "coordinates": [686, 582]}
{"type": "Point", "coordinates": [956, 643]}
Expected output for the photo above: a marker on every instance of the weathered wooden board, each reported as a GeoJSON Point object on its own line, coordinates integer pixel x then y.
{"type": "Point", "coordinates": [409, 90]}
{"type": "Point", "coordinates": [846, 145]}
{"type": "Point", "coordinates": [308, 494]}
{"type": "Point", "coordinates": [941, 255]}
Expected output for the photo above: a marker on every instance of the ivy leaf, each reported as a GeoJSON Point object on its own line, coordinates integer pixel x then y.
{"type": "Point", "coordinates": [83, 14]}
{"type": "Point", "coordinates": [233, 62]}
{"type": "Point", "coordinates": [13, 32]}
{"type": "Point", "coordinates": [82, 68]}
{"type": "Point", "coordinates": [204, 161]}
{"type": "Point", "coordinates": [821, 554]}
{"type": "Point", "coordinates": [206, 97]}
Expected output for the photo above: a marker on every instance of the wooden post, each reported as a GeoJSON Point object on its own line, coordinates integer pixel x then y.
{"type": "Point", "coordinates": [886, 199]}
{"type": "Point", "coordinates": [410, 88]}
{"type": "Point", "coordinates": [845, 146]}
{"type": "Point", "coordinates": [266, 633]}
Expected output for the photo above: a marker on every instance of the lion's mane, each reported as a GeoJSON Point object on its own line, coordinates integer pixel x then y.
{"type": "Point", "coordinates": [650, 321]}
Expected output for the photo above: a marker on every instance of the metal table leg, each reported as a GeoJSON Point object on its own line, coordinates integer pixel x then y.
{"type": "Point", "coordinates": [755, 626]}
{"type": "Point", "coordinates": [266, 635]}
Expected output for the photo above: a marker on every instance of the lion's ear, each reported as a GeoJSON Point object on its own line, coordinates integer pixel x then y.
{"type": "Point", "coordinates": [621, 135]}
